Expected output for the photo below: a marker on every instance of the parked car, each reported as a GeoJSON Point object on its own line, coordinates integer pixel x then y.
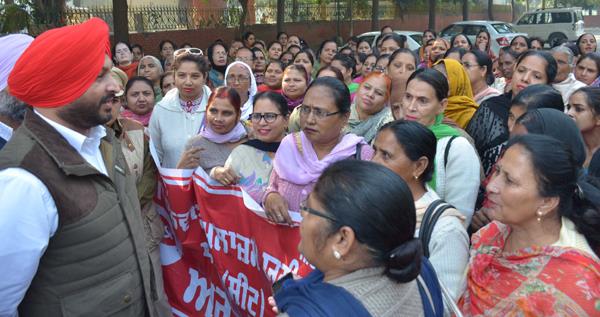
{"type": "Point", "coordinates": [414, 38]}
{"type": "Point", "coordinates": [501, 33]}
{"type": "Point", "coordinates": [553, 25]}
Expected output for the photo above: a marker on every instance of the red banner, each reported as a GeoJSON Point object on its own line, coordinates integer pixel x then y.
{"type": "Point", "coordinates": [220, 255]}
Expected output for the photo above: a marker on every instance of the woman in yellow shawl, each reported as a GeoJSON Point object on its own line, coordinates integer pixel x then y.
{"type": "Point", "coordinates": [461, 105]}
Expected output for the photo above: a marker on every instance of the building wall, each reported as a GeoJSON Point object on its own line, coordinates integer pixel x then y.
{"type": "Point", "coordinates": [313, 32]}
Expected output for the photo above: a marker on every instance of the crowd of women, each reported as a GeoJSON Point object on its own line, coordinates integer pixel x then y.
{"type": "Point", "coordinates": [489, 133]}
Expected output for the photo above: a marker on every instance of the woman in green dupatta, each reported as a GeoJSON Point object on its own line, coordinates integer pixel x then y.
{"type": "Point", "coordinates": [370, 110]}
{"type": "Point", "coordinates": [457, 168]}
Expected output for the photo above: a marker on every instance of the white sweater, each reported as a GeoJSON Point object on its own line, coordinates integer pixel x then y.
{"type": "Point", "coordinates": [448, 247]}
{"type": "Point", "coordinates": [170, 127]}
{"type": "Point", "coordinates": [458, 182]}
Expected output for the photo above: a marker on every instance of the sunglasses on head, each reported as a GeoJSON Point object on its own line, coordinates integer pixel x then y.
{"type": "Point", "coordinates": [188, 50]}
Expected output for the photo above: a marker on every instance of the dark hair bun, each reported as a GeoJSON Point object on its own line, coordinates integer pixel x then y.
{"type": "Point", "coordinates": [403, 263]}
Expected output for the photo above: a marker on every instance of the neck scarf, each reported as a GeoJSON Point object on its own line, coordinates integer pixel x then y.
{"type": "Point", "coordinates": [296, 160]}
{"type": "Point", "coordinates": [59, 51]}
{"type": "Point", "coordinates": [247, 106]}
{"type": "Point", "coordinates": [143, 119]}
{"type": "Point", "coordinates": [13, 46]}
{"type": "Point", "coordinates": [368, 128]}
{"type": "Point", "coordinates": [461, 105]}
{"type": "Point", "coordinates": [293, 103]}
{"type": "Point", "coordinates": [237, 133]}
{"type": "Point", "coordinates": [263, 146]}
{"type": "Point", "coordinates": [534, 281]}
{"type": "Point", "coordinates": [596, 82]}
{"type": "Point", "coordinates": [130, 70]}
{"type": "Point", "coordinates": [311, 296]}
{"type": "Point", "coordinates": [483, 95]}
{"type": "Point", "coordinates": [440, 130]}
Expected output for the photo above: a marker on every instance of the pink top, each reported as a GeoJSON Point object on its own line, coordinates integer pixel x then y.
{"type": "Point", "coordinates": [295, 194]}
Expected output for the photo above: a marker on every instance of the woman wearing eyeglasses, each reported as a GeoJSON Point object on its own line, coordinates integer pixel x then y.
{"type": "Point", "coordinates": [359, 236]}
{"type": "Point", "coordinates": [178, 116]}
{"type": "Point", "coordinates": [303, 156]}
{"type": "Point", "coordinates": [239, 76]}
{"type": "Point", "coordinates": [220, 133]}
{"type": "Point", "coordinates": [250, 163]}
{"type": "Point", "coordinates": [478, 66]}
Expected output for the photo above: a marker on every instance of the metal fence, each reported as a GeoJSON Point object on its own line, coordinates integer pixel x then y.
{"type": "Point", "coordinates": [164, 18]}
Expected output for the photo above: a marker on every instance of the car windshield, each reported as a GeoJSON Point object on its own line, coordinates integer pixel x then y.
{"type": "Point", "coordinates": [417, 37]}
{"type": "Point", "coordinates": [503, 28]}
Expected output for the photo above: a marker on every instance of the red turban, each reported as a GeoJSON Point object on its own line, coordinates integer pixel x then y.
{"type": "Point", "coordinates": [60, 65]}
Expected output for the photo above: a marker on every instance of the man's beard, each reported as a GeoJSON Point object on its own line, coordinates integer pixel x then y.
{"type": "Point", "coordinates": [11, 107]}
{"type": "Point", "coordinates": [85, 116]}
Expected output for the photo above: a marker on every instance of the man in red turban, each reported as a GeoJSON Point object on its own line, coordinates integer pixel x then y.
{"type": "Point", "coordinates": [71, 236]}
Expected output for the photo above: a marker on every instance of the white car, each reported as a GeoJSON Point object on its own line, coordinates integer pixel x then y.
{"type": "Point", "coordinates": [553, 25]}
{"type": "Point", "coordinates": [414, 38]}
{"type": "Point", "coordinates": [501, 33]}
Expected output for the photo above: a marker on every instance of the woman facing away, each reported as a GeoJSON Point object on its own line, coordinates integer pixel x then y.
{"type": "Point", "coordinates": [359, 236]}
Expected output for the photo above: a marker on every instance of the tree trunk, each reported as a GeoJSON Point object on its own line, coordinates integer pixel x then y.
{"type": "Point", "coordinates": [432, 14]}
{"type": "Point", "coordinates": [512, 11]}
{"type": "Point", "coordinates": [465, 10]}
{"type": "Point", "coordinates": [349, 15]}
{"type": "Point", "coordinates": [295, 16]}
{"type": "Point", "coordinates": [7, 2]}
{"type": "Point", "coordinates": [242, 22]}
{"type": "Point", "coordinates": [280, 15]}
{"type": "Point", "coordinates": [527, 5]}
{"type": "Point", "coordinates": [120, 21]}
{"type": "Point", "coordinates": [491, 10]}
{"type": "Point", "coordinates": [375, 15]}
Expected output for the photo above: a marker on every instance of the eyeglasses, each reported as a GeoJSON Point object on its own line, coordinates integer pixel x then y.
{"type": "Point", "coordinates": [304, 208]}
{"type": "Point", "coordinates": [244, 59]}
{"type": "Point", "coordinates": [380, 69]}
{"type": "Point", "coordinates": [268, 116]}
{"type": "Point", "coordinates": [188, 50]}
{"type": "Point", "coordinates": [468, 65]}
{"type": "Point", "coordinates": [318, 113]}
{"type": "Point", "coordinates": [239, 79]}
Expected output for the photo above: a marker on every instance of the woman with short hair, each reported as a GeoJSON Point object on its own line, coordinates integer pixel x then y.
{"type": "Point", "coordinates": [217, 56]}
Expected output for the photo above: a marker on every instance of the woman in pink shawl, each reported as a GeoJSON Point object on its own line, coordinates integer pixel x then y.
{"type": "Point", "coordinates": [302, 156]}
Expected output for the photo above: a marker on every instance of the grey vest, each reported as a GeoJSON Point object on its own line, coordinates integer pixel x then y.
{"type": "Point", "coordinates": [96, 264]}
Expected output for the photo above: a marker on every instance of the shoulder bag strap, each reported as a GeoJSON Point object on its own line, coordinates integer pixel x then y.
{"type": "Point", "coordinates": [447, 150]}
{"type": "Point", "coordinates": [432, 214]}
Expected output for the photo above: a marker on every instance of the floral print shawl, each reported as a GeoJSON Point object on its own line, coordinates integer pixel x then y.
{"type": "Point", "coordinates": [535, 281]}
